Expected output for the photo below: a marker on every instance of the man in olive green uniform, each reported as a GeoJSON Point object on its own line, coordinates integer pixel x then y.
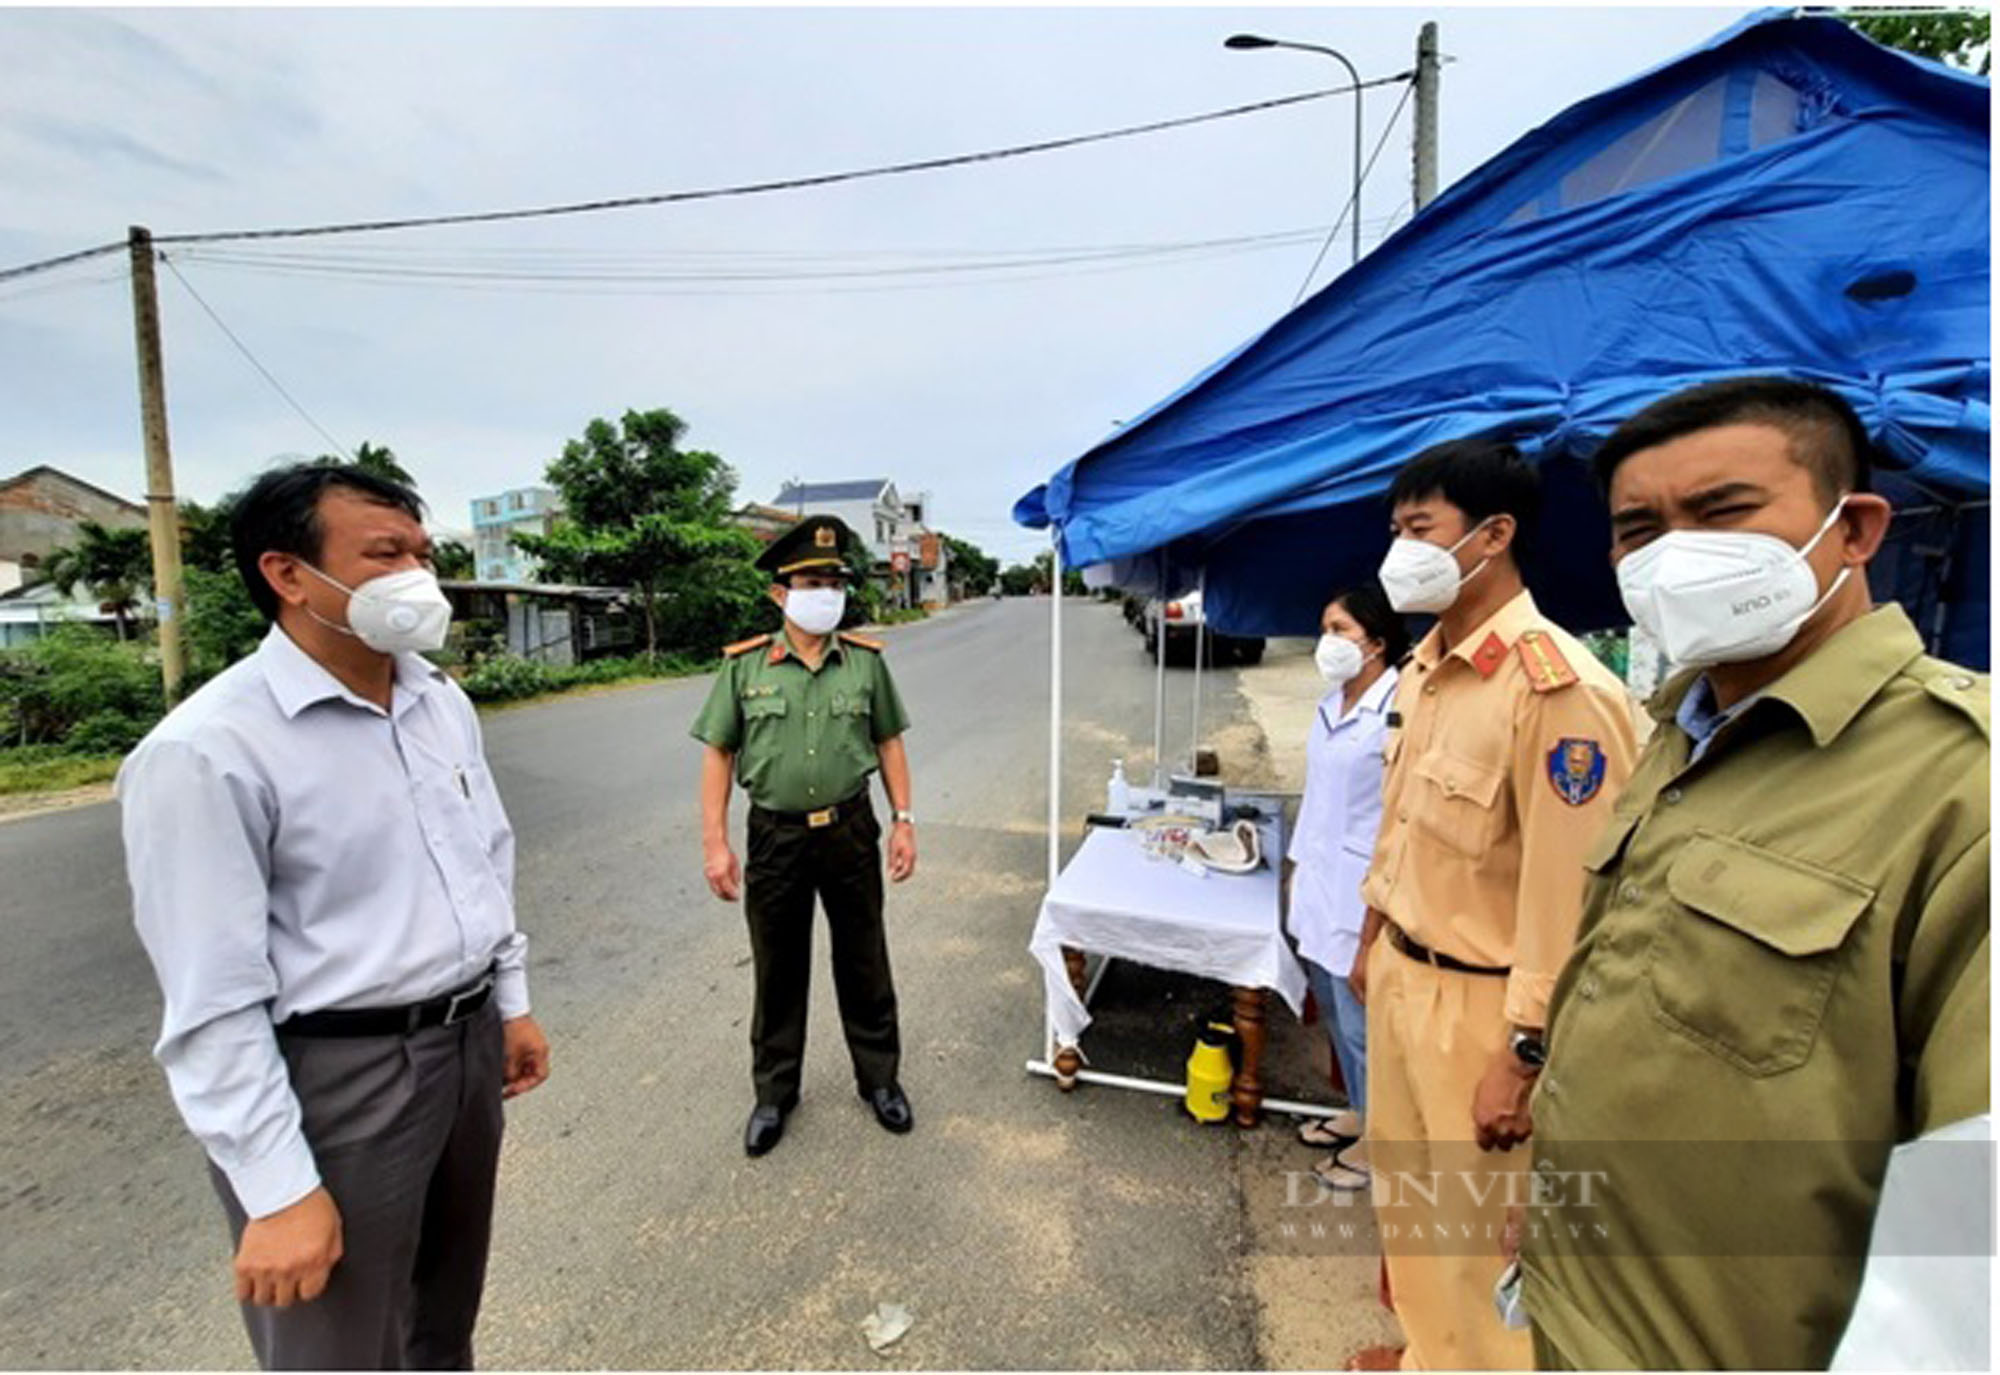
{"type": "Point", "coordinates": [1782, 966]}
{"type": "Point", "coordinates": [802, 718]}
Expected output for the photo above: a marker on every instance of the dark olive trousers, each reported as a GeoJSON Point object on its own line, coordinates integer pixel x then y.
{"type": "Point", "coordinates": [789, 865]}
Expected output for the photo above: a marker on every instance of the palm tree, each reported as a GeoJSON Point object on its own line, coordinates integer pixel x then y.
{"type": "Point", "coordinates": [115, 565]}
{"type": "Point", "coordinates": [380, 460]}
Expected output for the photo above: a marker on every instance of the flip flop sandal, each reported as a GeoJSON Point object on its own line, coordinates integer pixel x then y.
{"type": "Point", "coordinates": [1342, 1179]}
{"type": "Point", "coordinates": [1326, 1133]}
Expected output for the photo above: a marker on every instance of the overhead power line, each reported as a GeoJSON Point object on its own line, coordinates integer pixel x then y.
{"type": "Point", "coordinates": [754, 273]}
{"type": "Point", "coordinates": [244, 349]}
{"type": "Point", "coordinates": [1353, 206]}
{"type": "Point", "coordinates": [720, 192]}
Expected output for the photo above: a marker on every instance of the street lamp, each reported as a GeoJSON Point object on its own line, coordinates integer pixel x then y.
{"type": "Point", "coordinates": [1242, 41]}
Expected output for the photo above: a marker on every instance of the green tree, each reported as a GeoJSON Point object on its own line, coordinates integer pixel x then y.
{"type": "Point", "coordinates": [643, 512]}
{"type": "Point", "coordinates": [205, 535]}
{"type": "Point", "coordinates": [1072, 577]}
{"type": "Point", "coordinates": [1018, 580]}
{"type": "Point", "coordinates": [221, 623]}
{"type": "Point", "coordinates": [1959, 38]}
{"type": "Point", "coordinates": [452, 559]}
{"type": "Point", "coordinates": [115, 565]}
{"type": "Point", "coordinates": [75, 688]}
{"type": "Point", "coordinates": [973, 571]}
{"type": "Point", "coordinates": [380, 460]}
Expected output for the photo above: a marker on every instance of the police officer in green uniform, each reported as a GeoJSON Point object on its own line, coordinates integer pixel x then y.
{"type": "Point", "coordinates": [801, 719]}
{"type": "Point", "coordinates": [1781, 972]}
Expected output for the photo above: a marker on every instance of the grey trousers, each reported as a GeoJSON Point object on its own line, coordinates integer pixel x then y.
{"type": "Point", "coordinates": [406, 1132]}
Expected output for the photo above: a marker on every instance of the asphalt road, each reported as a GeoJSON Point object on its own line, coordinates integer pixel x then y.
{"type": "Point", "coordinates": [1024, 1228]}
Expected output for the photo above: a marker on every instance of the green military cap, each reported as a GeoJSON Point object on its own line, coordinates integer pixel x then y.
{"type": "Point", "coordinates": [817, 543]}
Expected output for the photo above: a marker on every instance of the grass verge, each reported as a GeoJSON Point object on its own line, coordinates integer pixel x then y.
{"type": "Point", "coordinates": [45, 771]}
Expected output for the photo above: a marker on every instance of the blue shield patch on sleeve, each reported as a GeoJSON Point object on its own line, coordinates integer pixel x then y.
{"type": "Point", "coordinates": [1576, 770]}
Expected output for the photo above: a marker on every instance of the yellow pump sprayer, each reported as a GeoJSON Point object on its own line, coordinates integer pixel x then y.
{"type": "Point", "coordinates": [1209, 1073]}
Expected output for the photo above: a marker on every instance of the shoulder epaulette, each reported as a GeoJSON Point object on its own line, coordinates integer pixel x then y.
{"type": "Point", "coordinates": [1547, 669]}
{"type": "Point", "coordinates": [1964, 691]}
{"type": "Point", "coordinates": [849, 637]}
{"type": "Point", "coordinates": [745, 646]}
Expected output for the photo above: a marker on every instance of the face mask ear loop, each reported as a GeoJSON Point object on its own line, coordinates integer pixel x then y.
{"type": "Point", "coordinates": [1839, 505]}
{"type": "Point", "coordinates": [331, 581]}
{"type": "Point", "coordinates": [1479, 567]}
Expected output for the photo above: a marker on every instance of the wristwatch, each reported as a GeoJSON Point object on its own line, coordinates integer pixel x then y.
{"type": "Point", "coordinates": [1529, 1049]}
{"type": "Point", "coordinates": [905, 815]}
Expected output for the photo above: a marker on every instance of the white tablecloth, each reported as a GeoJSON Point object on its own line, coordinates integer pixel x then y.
{"type": "Point", "coordinates": [1113, 899]}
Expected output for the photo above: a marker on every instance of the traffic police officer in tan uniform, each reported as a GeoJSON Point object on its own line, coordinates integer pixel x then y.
{"type": "Point", "coordinates": [1508, 742]}
{"type": "Point", "coordinates": [801, 719]}
{"type": "Point", "coordinates": [1782, 970]}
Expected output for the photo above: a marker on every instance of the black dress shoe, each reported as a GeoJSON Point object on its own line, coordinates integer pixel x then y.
{"type": "Point", "coordinates": [767, 1124]}
{"type": "Point", "coordinates": [892, 1109]}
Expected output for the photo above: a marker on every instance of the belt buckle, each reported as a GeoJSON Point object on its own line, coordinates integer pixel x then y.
{"type": "Point", "coordinates": [822, 817]}
{"type": "Point", "coordinates": [451, 1013]}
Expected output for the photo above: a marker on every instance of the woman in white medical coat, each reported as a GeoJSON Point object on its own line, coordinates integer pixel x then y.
{"type": "Point", "coordinates": [1362, 640]}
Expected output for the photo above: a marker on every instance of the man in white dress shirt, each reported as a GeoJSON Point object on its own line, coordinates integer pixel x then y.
{"type": "Point", "coordinates": [322, 875]}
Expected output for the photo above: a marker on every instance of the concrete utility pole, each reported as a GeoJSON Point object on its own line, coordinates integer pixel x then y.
{"type": "Point", "coordinates": [163, 519]}
{"type": "Point", "coordinates": [1426, 140]}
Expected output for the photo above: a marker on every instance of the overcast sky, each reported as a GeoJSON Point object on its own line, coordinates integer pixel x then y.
{"type": "Point", "coordinates": [968, 382]}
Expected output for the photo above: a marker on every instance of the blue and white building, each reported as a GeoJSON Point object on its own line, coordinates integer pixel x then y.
{"type": "Point", "coordinates": [497, 519]}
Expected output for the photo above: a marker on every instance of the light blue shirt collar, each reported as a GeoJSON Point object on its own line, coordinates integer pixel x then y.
{"type": "Point", "coordinates": [1699, 716]}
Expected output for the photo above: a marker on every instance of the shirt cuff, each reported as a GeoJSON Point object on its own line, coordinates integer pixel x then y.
{"type": "Point", "coordinates": [1528, 998]}
{"type": "Point", "coordinates": [278, 1180]}
{"type": "Point", "coordinates": [510, 993]}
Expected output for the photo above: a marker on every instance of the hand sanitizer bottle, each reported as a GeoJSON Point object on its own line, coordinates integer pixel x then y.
{"type": "Point", "coordinates": [1118, 794]}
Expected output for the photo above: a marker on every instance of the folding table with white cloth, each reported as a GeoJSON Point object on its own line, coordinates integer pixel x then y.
{"type": "Point", "coordinates": [1116, 900]}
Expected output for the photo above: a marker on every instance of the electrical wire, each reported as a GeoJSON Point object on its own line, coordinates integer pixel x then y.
{"type": "Point", "coordinates": [244, 349]}
{"type": "Point", "coordinates": [738, 265]}
{"type": "Point", "coordinates": [720, 192]}
{"type": "Point", "coordinates": [50, 264]}
{"type": "Point", "coordinates": [1354, 198]}
{"type": "Point", "coordinates": [837, 281]}
{"type": "Point", "coordinates": [120, 274]}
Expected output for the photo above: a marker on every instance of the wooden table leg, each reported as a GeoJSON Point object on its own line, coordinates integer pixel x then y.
{"type": "Point", "coordinates": [1247, 1091]}
{"type": "Point", "coordinates": [1073, 962]}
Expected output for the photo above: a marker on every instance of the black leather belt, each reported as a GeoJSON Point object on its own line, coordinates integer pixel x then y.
{"type": "Point", "coordinates": [825, 816]}
{"type": "Point", "coordinates": [447, 1009]}
{"type": "Point", "coordinates": [1426, 955]}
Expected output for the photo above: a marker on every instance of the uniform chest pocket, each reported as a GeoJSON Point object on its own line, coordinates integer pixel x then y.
{"type": "Point", "coordinates": [850, 704]}
{"type": "Point", "coordinates": [1457, 801]}
{"type": "Point", "coordinates": [757, 709]}
{"type": "Point", "coordinates": [1745, 960]}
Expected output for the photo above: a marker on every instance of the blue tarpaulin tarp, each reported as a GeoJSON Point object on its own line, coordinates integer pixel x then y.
{"type": "Point", "coordinates": [1788, 198]}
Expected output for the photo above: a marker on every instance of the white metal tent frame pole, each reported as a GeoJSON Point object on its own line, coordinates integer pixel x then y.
{"type": "Point", "coordinates": [1055, 745]}
{"type": "Point", "coordinates": [1200, 629]}
{"type": "Point", "coordinates": [1160, 698]}
{"type": "Point", "coordinates": [1055, 704]}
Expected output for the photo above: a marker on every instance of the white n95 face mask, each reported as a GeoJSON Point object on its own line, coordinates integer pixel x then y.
{"type": "Point", "coordinates": [1339, 659]}
{"type": "Point", "coordinates": [816, 610]}
{"type": "Point", "coordinates": [1723, 596]}
{"type": "Point", "coordinates": [1420, 576]}
{"type": "Point", "coordinates": [395, 613]}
